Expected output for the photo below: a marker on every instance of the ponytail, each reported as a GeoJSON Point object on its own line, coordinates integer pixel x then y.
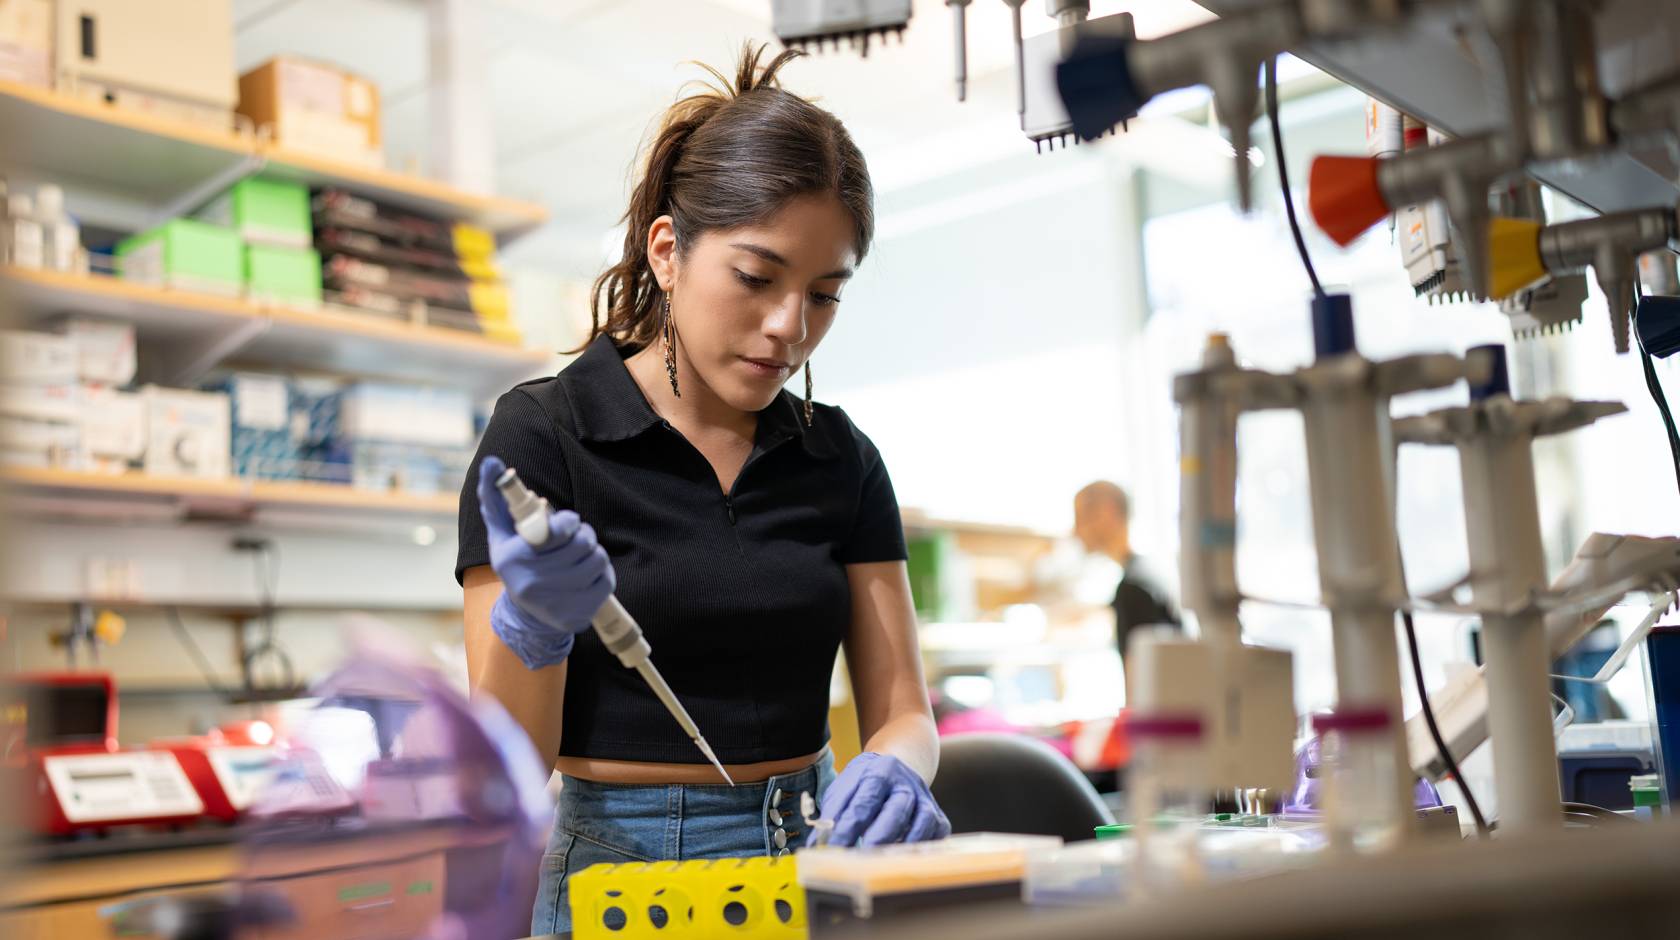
{"type": "Point", "coordinates": [729, 155]}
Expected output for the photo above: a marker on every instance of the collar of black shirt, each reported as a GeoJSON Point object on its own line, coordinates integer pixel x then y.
{"type": "Point", "coordinates": [607, 405]}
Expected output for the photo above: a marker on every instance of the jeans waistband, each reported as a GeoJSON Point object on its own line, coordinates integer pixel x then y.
{"type": "Point", "coordinates": [656, 797]}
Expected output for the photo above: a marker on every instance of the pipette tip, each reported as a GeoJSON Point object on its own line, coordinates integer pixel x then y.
{"type": "Point", "coordinates": [706, 749]}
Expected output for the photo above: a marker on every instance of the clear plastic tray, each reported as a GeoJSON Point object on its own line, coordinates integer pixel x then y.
{"type": "Point", "coordinates": [968, 860]}
{"type": "Point", "coordinates": [1110, 870]}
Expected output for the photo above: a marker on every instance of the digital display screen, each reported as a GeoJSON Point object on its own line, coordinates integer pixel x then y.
{"type": "Point", "coordinates": [101, 776]}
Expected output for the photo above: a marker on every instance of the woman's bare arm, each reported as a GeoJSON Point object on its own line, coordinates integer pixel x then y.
{"type": "Point", "coordinates": [885, 661]}
{"type": "Point", "coordinates": [532, 696]}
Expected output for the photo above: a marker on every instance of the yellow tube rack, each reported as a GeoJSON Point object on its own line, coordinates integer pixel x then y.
{"type": "Point", "coordinates": [728, 897]}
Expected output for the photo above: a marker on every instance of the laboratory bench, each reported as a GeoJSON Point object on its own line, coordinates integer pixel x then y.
{"type": "Point", "coordinates": [391, 879]}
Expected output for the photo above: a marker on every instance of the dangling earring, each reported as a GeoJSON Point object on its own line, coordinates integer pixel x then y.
{"type": "Point", "coordinates": [807, 393]}
{"type": "Point", "coordinates": [667, 336]}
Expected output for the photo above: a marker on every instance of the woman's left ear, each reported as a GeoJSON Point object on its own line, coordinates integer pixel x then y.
{"type": "Point", "coordinates": [662, 251]}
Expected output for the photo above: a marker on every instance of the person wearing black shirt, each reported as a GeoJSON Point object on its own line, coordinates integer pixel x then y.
{"type": "Point", "coordinates": [751, 532]}
{"type": "Point", "coordinates": [1101, 522]}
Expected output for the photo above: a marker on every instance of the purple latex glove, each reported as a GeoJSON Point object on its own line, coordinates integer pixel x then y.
{"type": "Point", "coordinates": [552, 591]}
{"type": "Point", "coordinates": [878, 800]}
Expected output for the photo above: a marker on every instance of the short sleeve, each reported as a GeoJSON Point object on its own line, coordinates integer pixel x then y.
{"type": "Point", "coordinates": [523, 435]}
{"type": "Point", "coordinates": [878, 532]}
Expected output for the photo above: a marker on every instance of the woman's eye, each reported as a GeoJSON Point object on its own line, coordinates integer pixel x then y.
{"type": "Point", "coordinates": [750, 280]}
{"type": "Point", "coordinates": [824, 300]}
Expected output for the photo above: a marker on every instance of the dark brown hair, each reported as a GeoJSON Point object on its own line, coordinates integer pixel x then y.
{"type": "Point", "coordinates": [727, 157]}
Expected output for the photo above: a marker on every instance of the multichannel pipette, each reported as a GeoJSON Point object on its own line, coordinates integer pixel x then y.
{"type": "Point", "coordinates": [617, 629]}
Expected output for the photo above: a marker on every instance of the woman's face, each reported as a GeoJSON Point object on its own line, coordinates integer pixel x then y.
{"type": "Point", "coordinates": [751, 304]}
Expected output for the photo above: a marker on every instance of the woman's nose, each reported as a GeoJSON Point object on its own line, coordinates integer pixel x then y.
{"type": "Point", "coordinates": [786, 323]}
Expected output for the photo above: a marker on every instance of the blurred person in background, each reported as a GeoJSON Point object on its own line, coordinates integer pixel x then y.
{"type": "Point", "coordinates": [1101, 522]}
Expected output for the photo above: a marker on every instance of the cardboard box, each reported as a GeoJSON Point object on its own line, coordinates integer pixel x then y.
{"type": "Point", "coordinates": [315, 108]}
{"type": "Point", "coordinates": [105, 350]}
{"type": "Point", "coordinates": [171, 58]}
{"type": "Point", "coordinates": [264, 211]}
{"type": "Point", "coordinates": [185, 254]}
{"type": "Point", "coordinates": [26, 41]}
{"type": "Point", "coordinates": [113, 429]}
{"type": "Point", "coordinates": [36, 359]}
{"type": "Point", "coordinates": [186, 433]}
{"type": "Point", "coordinates": [290, 276]}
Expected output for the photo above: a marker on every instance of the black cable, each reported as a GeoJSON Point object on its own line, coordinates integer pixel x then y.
{"type": "Point", "coordinates": [1441, 748]}
{"type": "Point", "coordinates": [194, 650]}
{"type": "Point", "coordinates": [1283, 175]}
{"type": "Point", "coordinates": [1654, 386]}
{"type": "Point", "coordinates": [266, 562]}
{"type": "Point", "coordinates": [1318, 289]}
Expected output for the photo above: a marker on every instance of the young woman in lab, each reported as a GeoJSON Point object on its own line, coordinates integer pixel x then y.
{"type": "Point", "coordinates": [750, 532]}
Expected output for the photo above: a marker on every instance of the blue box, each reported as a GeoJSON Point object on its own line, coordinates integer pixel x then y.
{"type": "Point", "coordinates": [262, 442]}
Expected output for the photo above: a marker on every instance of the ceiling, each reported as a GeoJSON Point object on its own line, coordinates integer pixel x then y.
{"type": "Point", "coordinates": [573, 85]}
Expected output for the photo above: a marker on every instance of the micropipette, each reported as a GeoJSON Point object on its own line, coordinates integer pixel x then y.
{"type": "Point", "coordinates": [617, 629]}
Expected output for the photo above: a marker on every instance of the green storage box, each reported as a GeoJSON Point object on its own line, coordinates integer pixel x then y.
{"type": "Point", "coordinates": [264, 211]}
{"type": "Point", "coordinates": [929, 566]}
{"type": "Point", "coordinates": [185, 254]}
{"type": "Point", "coordinates": [290, 276]}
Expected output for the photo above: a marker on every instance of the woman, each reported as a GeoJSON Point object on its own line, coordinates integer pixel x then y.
{"type": "Point", "coordinates": [751, 533]}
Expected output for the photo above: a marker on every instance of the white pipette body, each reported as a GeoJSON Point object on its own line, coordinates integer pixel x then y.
{"type": "Point", "coordinates": [617, 629]}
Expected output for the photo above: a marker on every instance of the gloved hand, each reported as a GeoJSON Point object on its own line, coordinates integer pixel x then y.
{"type": "Point", "coordinates": [552, 590]}
{"type": "Point", "coordinates": [878, 800]}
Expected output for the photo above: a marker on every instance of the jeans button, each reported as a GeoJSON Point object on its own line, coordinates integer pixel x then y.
{"type": "Point", "coordinates": [775, 817]}
{"type": "Point", "coordinates": [780, 838]}
{"type": "Point", "coordinates": [776, 797]}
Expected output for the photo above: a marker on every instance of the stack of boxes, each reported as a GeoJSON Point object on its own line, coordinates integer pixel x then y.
{"type": "Point", "coordinates": [252, 241]}
{"type": "Point", "coordinates": [271, 219]}
{"type": "Point", "coordinates": [40, 410]}
{"type": "Point", "coordinates": [405, 437]}
{"type": "Point", "coordinates": [373, 435]}
{"type": "Point", "coordinates": [409, 267]}
{"type": "Point", "coordinates": [63, 405]}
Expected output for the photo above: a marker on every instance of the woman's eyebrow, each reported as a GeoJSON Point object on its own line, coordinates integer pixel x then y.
{"type": "Point", "coordinates": [776, 259]}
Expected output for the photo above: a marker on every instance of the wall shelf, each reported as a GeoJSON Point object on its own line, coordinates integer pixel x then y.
{"type": "Point", "coordinates": [231, 498]}
{"type": "Point", "coordinates": [232, 608]}
{"type": "Point", "coordinates": [173, 165]}
{"type": "Point", "coordinates": [184, 334]}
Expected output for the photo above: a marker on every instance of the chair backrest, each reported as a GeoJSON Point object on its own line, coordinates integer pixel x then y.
{"type": "Point", "coordinates": [1014, 783]}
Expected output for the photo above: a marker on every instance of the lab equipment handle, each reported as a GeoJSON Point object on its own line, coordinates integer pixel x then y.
{"type": "Point", "coordinates": [621, 634]}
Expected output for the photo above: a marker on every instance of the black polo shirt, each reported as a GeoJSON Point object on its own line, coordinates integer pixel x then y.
{"type": "Point", "coordinates": [742, 595]}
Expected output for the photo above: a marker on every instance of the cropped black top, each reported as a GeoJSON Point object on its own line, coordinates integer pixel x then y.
{"type": "Point", "coordinates": [742, 595]}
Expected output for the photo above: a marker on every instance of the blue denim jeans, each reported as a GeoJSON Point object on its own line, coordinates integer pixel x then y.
{"type": "Point", "coordinates": [617, 823]}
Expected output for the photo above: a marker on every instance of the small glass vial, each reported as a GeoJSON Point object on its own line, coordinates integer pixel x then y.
{"type": "Point", "coordinates": [1167, 788]}
{"type": "Point", "coordinates": [1358, 766]}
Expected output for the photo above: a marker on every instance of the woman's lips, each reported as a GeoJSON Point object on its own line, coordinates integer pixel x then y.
{"type": "Point", "coordinates": [768, 368]}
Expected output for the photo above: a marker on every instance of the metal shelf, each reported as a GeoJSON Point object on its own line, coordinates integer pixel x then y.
{"type": "Point", "coordinates": [230, 498]}
{"type": "Point", "coordinates": [174, 166]}
{"type": "Point", "coordinates": [183, 334]}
